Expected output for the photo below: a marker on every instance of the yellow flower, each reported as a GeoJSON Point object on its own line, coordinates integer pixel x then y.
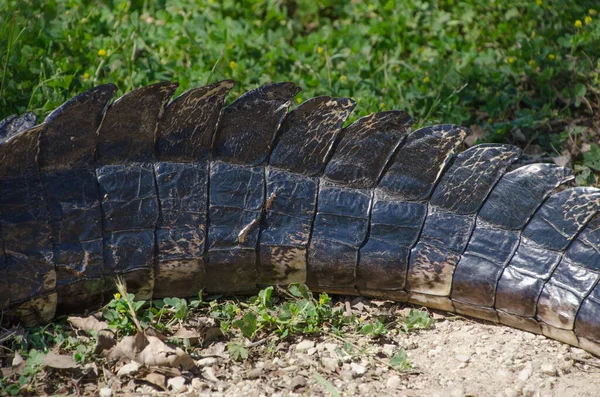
{"type": "Point", "coordinates": [578, 23]}
{"type": "Point", "coordinates": [510, 59]}
{"type": "Point", "coordinates": [592, 12]}
{"type": "Point", "coordinates": [299, 100]}
{"type": "Point", "coordinates": [538, 2]}
{"type": "Point", "coordinates": [102, 52]}
{"type": "Point", "coordinates": [86, 76]}
{"type": "Point", "coordinates": [551, 57]}
{"type": "Point", "coordinates": [232, 65]}
{"type": "Point", "coordinates": [320, 50]}
{"type": "Point", "coordinates": [587, 19]}
{"type": "Point", "coordinates": [117, 296]}
{"type": "Point", "coordinates": [426, 79]}
{"type": "Point", "coordinates": [343, 79]}
{"type": "Point", "coordinates": [382, 105]}
{"type": "Point", "coordinates": [531, 62]}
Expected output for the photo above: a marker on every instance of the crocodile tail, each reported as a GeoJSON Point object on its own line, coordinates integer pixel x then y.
{"type": "Point", "coordinates": [188, 195]}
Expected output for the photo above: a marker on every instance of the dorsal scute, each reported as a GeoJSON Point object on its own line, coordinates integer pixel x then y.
{"type": "Point", "coordinates": [248, 125]}
{"type": "Point", "coordinates": [418, 164]}
{"type": "Point", "coordinates": [186, 129]}
{"type": "Point", "coordinates": [562, 216]}
{"type": "Point", "coordinates": [473, 174]}
{"type": "Point", "coordinates": [308, 133]}
{"type": "Point", "coordinates": [520, 192]}
{"type": "Point", "coordinates": [71, 131]}
{"type": "Point", "coordinates": [128, 130]}
{"type": "Point", "coordinates": [365, 148]}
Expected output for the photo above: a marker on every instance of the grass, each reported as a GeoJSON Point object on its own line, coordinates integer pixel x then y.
{"type": "Point", "coordinates": [520, 72]}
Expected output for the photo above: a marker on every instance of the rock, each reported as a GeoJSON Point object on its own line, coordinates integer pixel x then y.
{"type": "Point", "coordinates": [548, 369]}
{"type": "Point", "coordinates": [198, 385]}
{"type": "Point", "coordinates": [330, 364]}
{"type": "Point", "coordinates": [358, 369]}
{"type": "Point", "coordinates": [304, 345]}
{"type": "Point", "coordinates": [105, 392]}
{"type": "Point", "coordinates": [526, 372]}
{"type": "Point", "coordinates": [530, 391]}
{"type": "Point", "coordinates": [206, 362]}
{"type": "Point", "coordinates": [330, 347]}
{"type": "Point", "coordinates": [394, 382]}
{"type": "Point", "coordinates": [177, 384]}
{"type": "Point", "coordinates": [463, 357]}
{"type": "Point", "coordinates": [296, 382]}
{"type": "Point", "coordinates": [128, 369]}
{"type": "Point", "coordinates": [510, 393]}
{"type": "Point", "coordinates": [311, 351]}
{"type": "Point", "coordinates": [254, 373]}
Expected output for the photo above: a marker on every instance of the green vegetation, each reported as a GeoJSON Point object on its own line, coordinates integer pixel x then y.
{"type": "Point", "coordinates": [520, 72]}
{"type": "Point", "coordinates": [273, 313]}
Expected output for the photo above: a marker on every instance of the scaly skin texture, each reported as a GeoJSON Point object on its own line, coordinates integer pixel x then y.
{"type": "Point", "coordinates": [187, 195]}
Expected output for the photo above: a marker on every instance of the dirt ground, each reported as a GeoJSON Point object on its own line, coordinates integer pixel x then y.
{"type": "Point", "coordinates": [456, 357]}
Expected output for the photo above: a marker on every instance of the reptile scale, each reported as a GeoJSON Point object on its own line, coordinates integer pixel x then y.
{"type": "Point", "coordinates": [186, 195]}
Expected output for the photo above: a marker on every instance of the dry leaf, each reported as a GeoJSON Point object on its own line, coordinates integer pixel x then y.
{"type": "Point", "coordinates": [476, 132]}
{"type": "Point", "coordinates": [87, 324]}
{"type": "Point", "coordinates": [564, 160]}
{"type": "Point", "coordinates": [128, 348]}
{"type": "Point", "coordinates": [59, 361]}
{"type": "Point", "coordinates": [164, 355]}
{"type": "Point", "coordinates": [156, 379]}
{"type": "Point", "coordinates": [184, 333]}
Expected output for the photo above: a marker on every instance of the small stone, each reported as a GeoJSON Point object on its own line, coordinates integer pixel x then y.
{"type": "Point", "coordinates": [128, 369]}
{"type": "Point", "coordinates": [198, 385]}
{"type": "Point", "coordinates": [463, 357]}
{"type": "Point", "coordinates": [530, 391]}
{"type": "Point", "coordinates": [206, 362]}
{"type": "Point", "coordinates": [304, 345]}
{"type": "Point", "coordinates": [106, 392]}
{"type": "Point", "coordinates": [330, 347]}
{"type": "Point", "coordinates": [510, 393]}
{"type": "Point", "coordinates": [311, 351]}
{"type": "Point", "coordinates": [548, 369]}
{"type": "Point", "coordinates": [394, 382]}
{"type": "Point", "coordinates": [177, 384]}
{"type": "Point", "coordinates": [526, 372]}
{"type": "Point", "coordinates": [358, 369]}
{"type": "Point", "coordinates": [253, 373]}
{"type": "Point", "coordinates": [330, 364]}
{"type": "Point", "coordinates": [296, 382]}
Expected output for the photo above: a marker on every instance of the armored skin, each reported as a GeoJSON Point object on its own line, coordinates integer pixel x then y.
{"type": "Point", "coordinates": [181, 195]}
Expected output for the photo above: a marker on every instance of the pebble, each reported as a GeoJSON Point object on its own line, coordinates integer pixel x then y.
{"type": "Point", "coordinates": [206, 362]}
{"type": "Point", "coordinates": [177, 384]}
{"type": "Point", "coordinates": [254, 373]}
{"type": "Point", "coordinates": [394, 382]}
{"type": "Point", "coordinates": [304, 345]}
{"type": "Point", "coordinates": [526, 372]}
{"type": "Point", "coordinates": [330, 347]}
{"type": "Point", "coordinates": [463, 358]}
{"type": "Point", "coordinates": [331, 364]}
{"type": "Point", "coordinates": [548, 369]}
{"type": "Point", "coordinates": [198, 385]}
{"type": "Point", "coordinates": [358, 369]}
{"type": "Point", "coordinates": [128, 369]}
{"type": "Point", "coordinates": [106, 392]}
{"type": "Point", "coordinates": [510, 393]}
{"type": "Point", "coordinates": [297, 381]}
